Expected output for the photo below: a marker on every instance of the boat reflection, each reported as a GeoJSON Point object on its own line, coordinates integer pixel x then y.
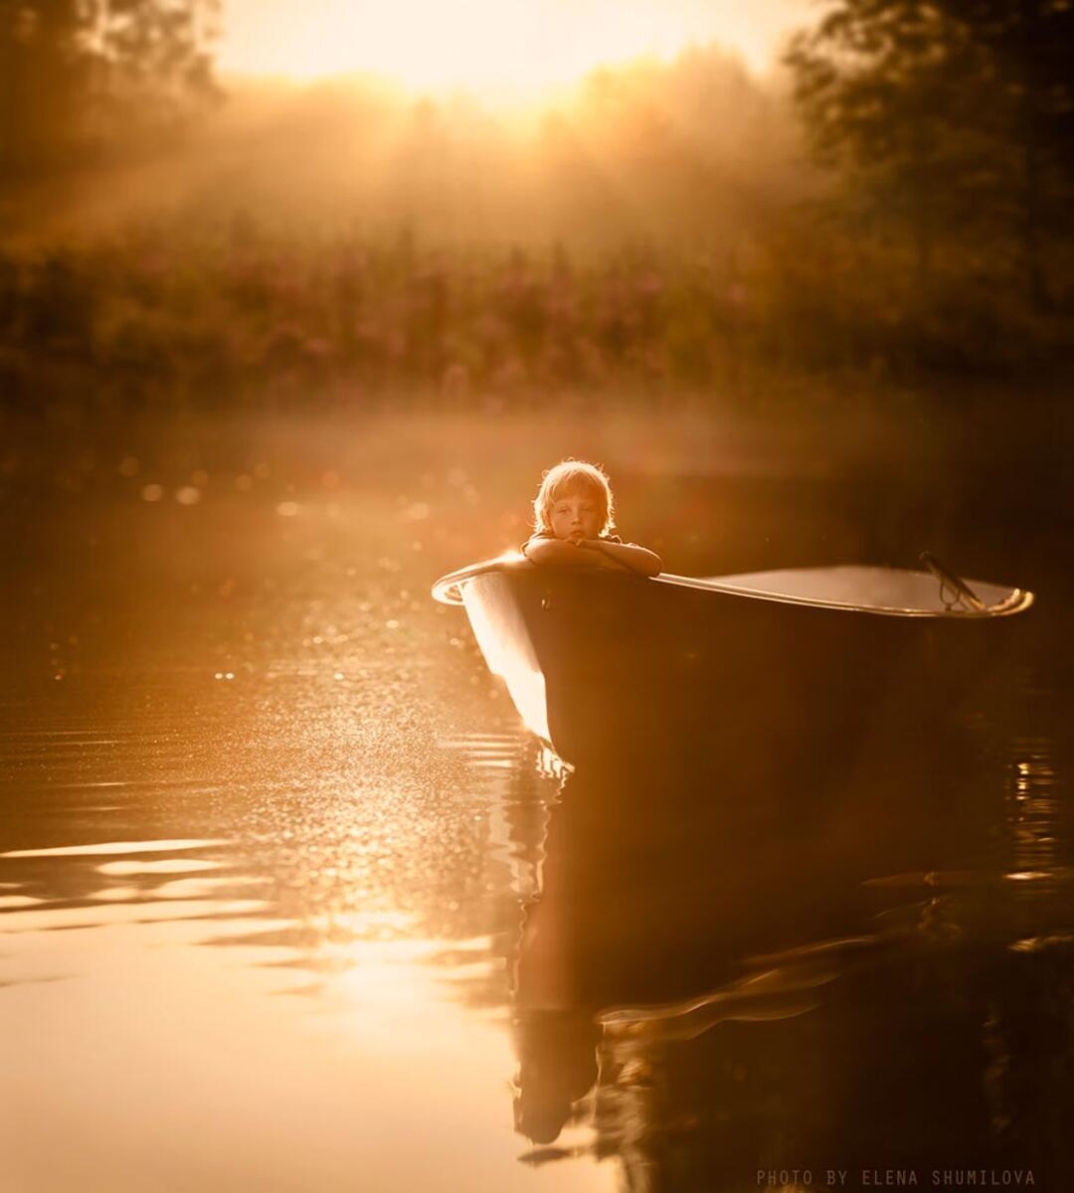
{"type": "Point", "coordinates": [708, 986]}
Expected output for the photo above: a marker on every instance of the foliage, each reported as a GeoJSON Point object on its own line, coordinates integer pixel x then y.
{"type": "Point", "coordinates": [79, 79]}
{"type": "Point", "coordinates": [952, 120]}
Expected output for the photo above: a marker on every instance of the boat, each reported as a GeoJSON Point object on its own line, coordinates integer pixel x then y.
{"type": "Point", "coordinates": [604, 664]}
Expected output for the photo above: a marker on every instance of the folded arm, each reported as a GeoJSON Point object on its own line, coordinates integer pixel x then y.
{"type": "Point", "coordinates": [627, 555]}
{"type": "Point", "coordinates": [598, 553]}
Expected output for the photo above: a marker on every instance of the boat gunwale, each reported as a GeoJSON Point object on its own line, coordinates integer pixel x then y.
{"type": "Point", "coordinates": [448, 591]}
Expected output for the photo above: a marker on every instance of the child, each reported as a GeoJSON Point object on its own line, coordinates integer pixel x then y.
{"type": "Point", "coordinates": [573, 516]}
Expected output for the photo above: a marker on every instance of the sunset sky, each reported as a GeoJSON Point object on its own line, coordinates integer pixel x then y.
{"type": "Point", "coordinates": [489, 47]}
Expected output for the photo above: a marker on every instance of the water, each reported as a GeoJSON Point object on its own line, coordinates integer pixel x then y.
{"type": "Point", "coordinates": [289, 901]}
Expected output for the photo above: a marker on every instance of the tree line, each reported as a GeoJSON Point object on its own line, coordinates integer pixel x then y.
{"type": "Point", "coordinates": [949, 124]}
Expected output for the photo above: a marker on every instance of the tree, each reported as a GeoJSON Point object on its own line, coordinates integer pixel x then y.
{"type": "Point", "coordinates": [79, 78]}
{"type": "Point", "coordinates": [954, 118]}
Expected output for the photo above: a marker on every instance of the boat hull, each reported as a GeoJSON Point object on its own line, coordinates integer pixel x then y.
{"type": "Point", "coordinates": [605, 666]}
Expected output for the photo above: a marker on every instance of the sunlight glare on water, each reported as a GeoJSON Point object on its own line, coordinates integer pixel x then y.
{"type": "Point", "coordinates": [337, 1014]}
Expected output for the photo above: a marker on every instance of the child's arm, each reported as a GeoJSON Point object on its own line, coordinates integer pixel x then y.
{"type": "Point", "coordinates": [558, 551]}
{"type": "Point", "coordinates": [598, 553]}
{"type": "Point", "coordinates": [627, 555]}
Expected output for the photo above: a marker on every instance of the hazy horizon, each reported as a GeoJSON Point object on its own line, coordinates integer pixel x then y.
{"type": "Point", "coordinates": [649, 147]}
{"type": "Point", "coordinates": [496, 51]}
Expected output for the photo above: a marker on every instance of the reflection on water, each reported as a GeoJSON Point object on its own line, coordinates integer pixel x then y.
{"type": "Point", "coordinates": [871, 970]}
{"type": "Point", "coordinates": [432, 955]}
{"type": "Point", "coordinates": [716, 998]}
{"type": "Point", "coordinates": [720, 990]}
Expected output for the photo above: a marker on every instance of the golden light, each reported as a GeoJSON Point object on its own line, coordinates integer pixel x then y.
{"type": "Point", "coordinates": [494, 48]}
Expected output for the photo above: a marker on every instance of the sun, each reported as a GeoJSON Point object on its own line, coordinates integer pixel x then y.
{"type": "Point", "coordinates": [486, 47]}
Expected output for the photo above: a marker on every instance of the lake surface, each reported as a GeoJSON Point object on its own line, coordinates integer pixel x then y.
{"type": "Point", "coordinates": [289, 900]}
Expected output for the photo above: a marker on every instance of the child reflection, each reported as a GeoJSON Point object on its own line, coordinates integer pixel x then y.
{"type": "Point", "coordinates": [627, 912]}
{"type": "Point", "coordinates": [557, 1067]}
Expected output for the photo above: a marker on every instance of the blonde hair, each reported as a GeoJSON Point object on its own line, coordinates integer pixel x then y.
{"type": "Point", "coordinates": [570, 476]}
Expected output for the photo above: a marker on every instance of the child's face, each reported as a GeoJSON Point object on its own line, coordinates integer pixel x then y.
{"type": "Point", "coordinates": [577, 514]}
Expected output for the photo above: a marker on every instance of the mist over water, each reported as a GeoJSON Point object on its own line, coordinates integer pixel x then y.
{"type": "Point", "coordinates": [289, 900]}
